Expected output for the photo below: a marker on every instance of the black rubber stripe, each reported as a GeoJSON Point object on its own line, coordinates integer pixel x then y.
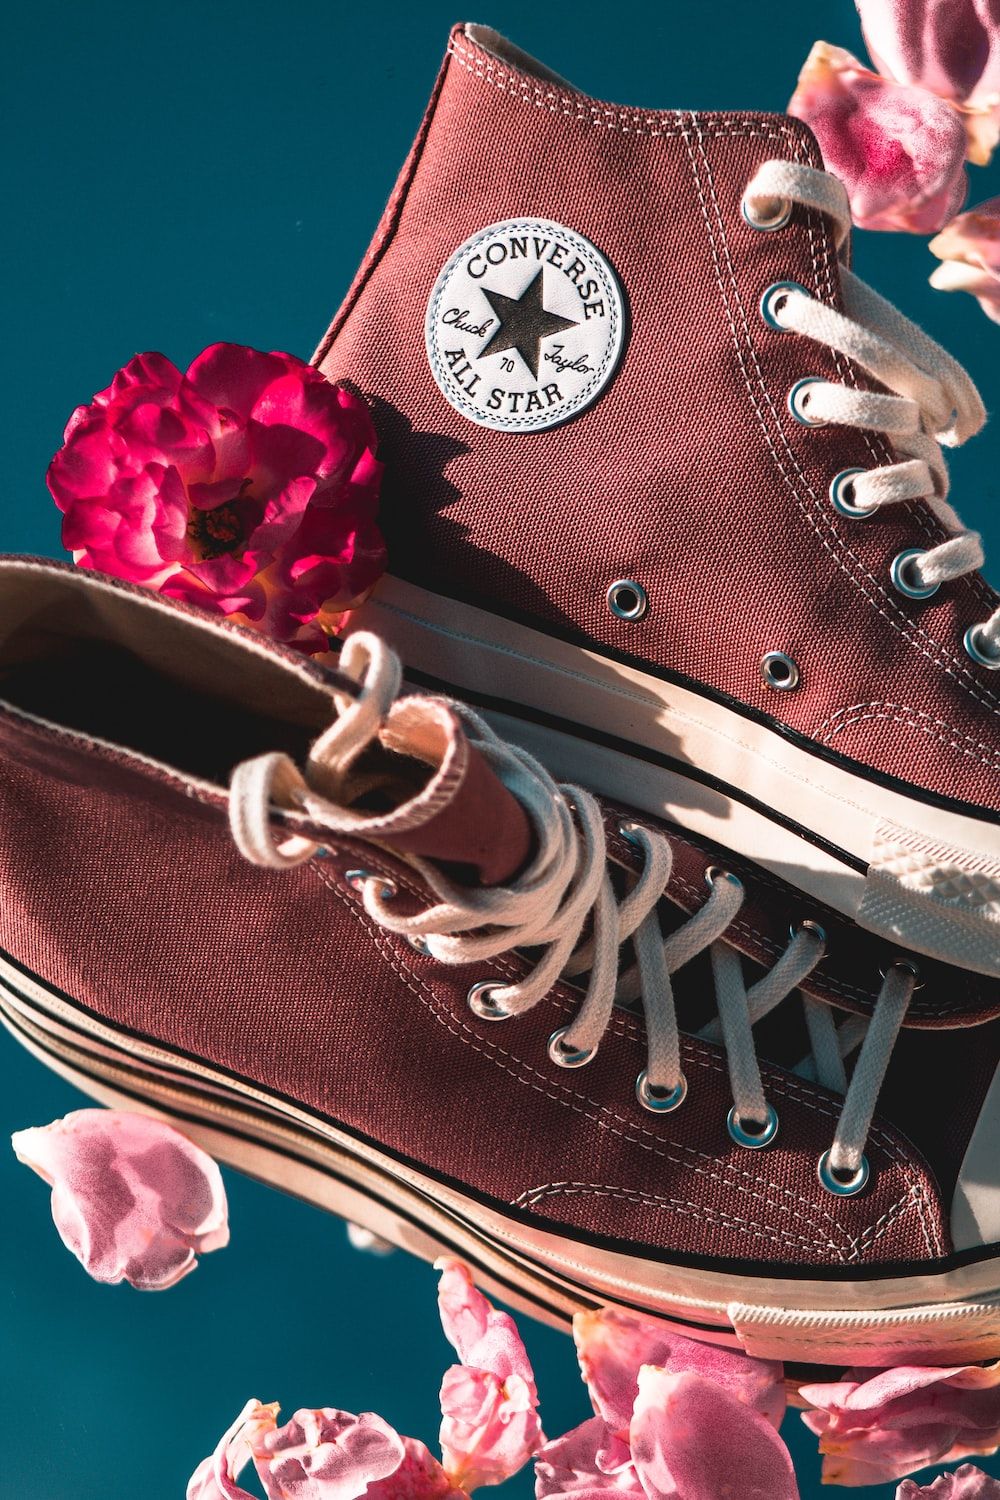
{"type": "Point", "coordinates": [715, 695]}
{"type": "Point", "coordinates": [514, 710]}
{"type": "Point", "coordinates": [584, 1294]}
{"type": "Point", "coordinates": [631, 1248]}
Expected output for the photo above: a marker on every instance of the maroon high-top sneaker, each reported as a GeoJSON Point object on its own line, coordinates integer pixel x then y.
{"type": "Point", "coordinates": [359, 946]}
{"type": "Point", "coordinates": [664, 490]}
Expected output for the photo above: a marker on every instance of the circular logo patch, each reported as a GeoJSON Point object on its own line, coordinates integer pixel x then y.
{"type": "Point", "coordinates": [525, 325]}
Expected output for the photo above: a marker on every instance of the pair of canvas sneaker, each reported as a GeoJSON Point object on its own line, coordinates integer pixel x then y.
{"type": "Point", "coordinates": [713, 1030]}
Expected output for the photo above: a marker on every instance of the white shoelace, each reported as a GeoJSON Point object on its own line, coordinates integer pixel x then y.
{"type": "Point", "coordinates": [935, 401]}
{"type": "Point", "coordinates": [566, 906]}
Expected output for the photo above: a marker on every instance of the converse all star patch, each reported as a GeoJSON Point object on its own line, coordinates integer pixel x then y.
{"type": "Point", "coordinates": [525, 325]}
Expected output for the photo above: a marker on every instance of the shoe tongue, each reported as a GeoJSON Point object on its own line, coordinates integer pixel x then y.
{"type": "Point", "coordinates": [464, 818]}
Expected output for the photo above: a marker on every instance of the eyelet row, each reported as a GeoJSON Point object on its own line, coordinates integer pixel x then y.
{"type": "Point", "coordinates": [901, 569]}
{"type": "Point", "coordinates": [751, 1135]}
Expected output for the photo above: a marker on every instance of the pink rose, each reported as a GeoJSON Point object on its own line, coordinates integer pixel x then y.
{"type": "Point", "coordinates": [248, 485]}
{"type": "Point", "coordinates": [949, 47]}
{"type": "Point", "coordinates": [969, 251]}
{"type": "Point", "coordinates": [879, 1425]}
{"type": "Point", "coordinates": [899, 151]}
{"type": "Point", "coordinates": [131, 1197]}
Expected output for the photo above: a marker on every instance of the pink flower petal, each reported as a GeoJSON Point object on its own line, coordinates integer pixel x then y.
{"type": "Point", "coordinates": [232, 377]}
{"type": "Point", "coordinates": [876, 1426]}
{"type": "Point", "coordinates": [327, 1454]}
{"type": "Point", "coordinates": [131, 1197]}
{"type": "Point", "coordinates": [489, 1421]}
{"type": "Point", "coordinates": [215, 1477]}
{"type": "Point", "coordinates": [480, 1334]}
{"type": "Point", "coordinates": [691, 1440]}
{"type": "Point", "coordinates": [588, 1463]}
{"type": "Point", "coordinates": [899, 151]}
{"type": "Point", "coordinates": [419, 1477]}
{"type": "Point", "coordinates": [949, 47]}
{"type": "Point", "coordinates": [969, 251]}
{"type": "Point", "coordinates": [966, 1483]}
{"type": "Point", "coordinates": [613, 1344]}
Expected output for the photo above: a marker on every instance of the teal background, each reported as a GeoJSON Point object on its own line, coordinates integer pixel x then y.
{"type": "Point", "coordinates": [173, 175]}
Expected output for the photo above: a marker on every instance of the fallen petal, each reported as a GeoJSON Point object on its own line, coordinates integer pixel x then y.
{"type": "Point", "coordinates": [966, 1483]}
{"type": "Point", "coordinates": [215, 1477]}
{"type": "Point", "coordinates": [325, 1454]}
{"type": "Point", "coordinates": [691, 1440]}
{"type": "Point", "coordinates": [898, 150]}
{"type": "Point", "coordinates": [969, 251]}
{"type": "Point", "coordinates": [489, 1421]}
{"type": "Point", "coordinates": [612, 1346]}
{"type": "Point", "coordinates": [585, 1463]}
{"type": "Point", "coordinates": [366, 1239]}
{"type": "Point", "coordinates": [877, 1426]}
{"type": "Point", "coordinates": [419, 1477]}
{"type": "Point", "coordinates": [951, 49]}
{"type": "Point", "coordinates": [131, 1197]}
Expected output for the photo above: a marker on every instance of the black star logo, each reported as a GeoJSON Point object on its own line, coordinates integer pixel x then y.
{"type": "Point", "coordinates": [524, 322]}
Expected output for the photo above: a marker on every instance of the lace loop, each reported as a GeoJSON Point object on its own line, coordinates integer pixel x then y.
{"type": "Point", "coordinates": [932, 400]}
{"type": "Point", "coordinates": [565, 912]}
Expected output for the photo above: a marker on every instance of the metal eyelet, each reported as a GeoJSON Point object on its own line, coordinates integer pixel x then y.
{"type": "Point", "coordinates": [418, 944]}
{"type": "Point", "coordinates": [716, 872]}
{"type": "Point", "coordinates": [841, 488]}
{"type": "Point", "coordinates": [627, 600]}
{"type": "Point", "coordinates": [807, 925]}
{"type": "Point", "coordinates": [321, 852]}
{"type": "Point", "coordinates": [780, 671]}
{"type": "Point", "coordinates": [481, 1003]}
{"type": "Point", "coordinates": [753, 1140]}
{"type": "Point", "coordinates": [629, 833]}
{"type": "Point", "coordinates": [772, 296]}
{"type": "Point", "coordinates": [358, 879]}
{"type": "Point", "coordinates": [568, 1057]}
{"type": "Point", "coordinates": [982, 658]}
{"type": "Point", "coordinates": [659, 1101]}
{"type": "Point", "coordinates": [767, 223]}
{"type": "Point", "coordinates": [797, 401]}
{"type": "Point", "coordinates": [839, 1186]}
{"type": "Point", "coordinates": [911, 966]}
{"type": "Point", "coordinates": [899, 571]}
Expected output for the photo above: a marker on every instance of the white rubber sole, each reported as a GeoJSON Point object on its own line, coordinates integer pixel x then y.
{"type": "Point", "coordinates": [924, 876]}
{"type": "Point", "coordinates": [946, 1316]}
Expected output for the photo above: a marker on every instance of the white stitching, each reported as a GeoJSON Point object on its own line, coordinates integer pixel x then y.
{"type": "Point", "coordinates": [682, 1206]}
{"type": "Point", "coordinates": [623, 1025]}
{"type": "Point", "coordinates": [861, 713]}
{"type": "Point", "coordinates": [905, 624]}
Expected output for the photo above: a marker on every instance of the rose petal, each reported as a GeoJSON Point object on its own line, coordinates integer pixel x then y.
{"type": "Point", "coordinates": [613, 1344]}
{"type": "Point", "coordinates": [969, 251]}
{"type": "Point", "coordinates": [215, 1477]}
{"type": "Point", "coordinates": [326, 1454]}
{"type": "Point", "coordinates": [876, 1426]}
{"type": "Point", "coordinates": [949, 47]}
{"type": "Point", "coordinates": [419, 1477]}
{"type": "Point", "coordinates": [489, 1422]}
{"type": "Point", "coordinates": [480, 1334]}
{"type": "Point", "coordinates": [691, 1440]}
{"type": "Point", "coordinates": [899, 151]}
{"type": "Point", "coordinates": [131, 1197]}
{"type": "Point", "coordinates": [966, 1483]}
{"type": "Point", "coordinates": [489, 1426]}
{"type": "Point", "coordinates": [588, 1463]}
